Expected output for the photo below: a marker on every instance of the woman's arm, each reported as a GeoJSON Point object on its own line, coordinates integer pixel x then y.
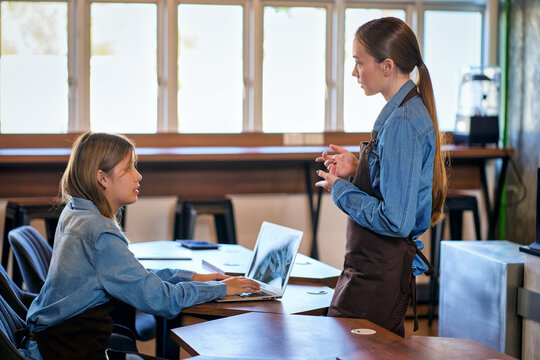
{"type": "Point", "coordinates": [400, 159]}
{"type": "Point", "coordinates": [122, 276]}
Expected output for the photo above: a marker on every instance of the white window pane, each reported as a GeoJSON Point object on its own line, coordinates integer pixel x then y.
{"type": "Point", "coordinates": [452, 40]}
{"type": "Point", "coordinates": [294, 69]}
{"type": "Point", "coordinates": [360, 111]}
{"type": "Point", "coordinates": [123, 73]}
{"type": "Point", "coordinates": [33, 67]}
{"type": "Point", "coordinates": [210, 69]}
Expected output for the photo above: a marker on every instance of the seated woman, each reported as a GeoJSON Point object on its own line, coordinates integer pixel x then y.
{"type": "Point", "coordinates": [92, 267]}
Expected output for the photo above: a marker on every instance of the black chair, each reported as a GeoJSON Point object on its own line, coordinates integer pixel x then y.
{"type": "Point", "coordinates": [10, 323]}
{"type": "Point", "coordinates": [33, 255]}
{"type": "Point", "coordinates": [10, 222]}
{"type": "Point", "coordinates": [121, 339]}
{"type": "Point", "coordinates": [19, 300]}
{"type": "Point", "coordinates": [10, 341]}
{"type": "Point", "coordinates": [455, 205]}
{"type": "Point", "coordinates": [222, 210]}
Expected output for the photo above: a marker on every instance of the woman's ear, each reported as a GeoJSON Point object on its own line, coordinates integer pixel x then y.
{"type": "Point", "coordinates": [102, 179]}
{"type": "Point", "coordinates": [388, 66]}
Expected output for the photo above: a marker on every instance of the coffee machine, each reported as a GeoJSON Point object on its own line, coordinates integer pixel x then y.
{"type": "Point", "coordinates": [477, 120]}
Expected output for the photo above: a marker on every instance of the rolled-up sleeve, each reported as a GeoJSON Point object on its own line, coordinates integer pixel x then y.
{"type": "Point", "coordinates": [173, 275]}
{"type": "Point", "coordinates": [123, 277]}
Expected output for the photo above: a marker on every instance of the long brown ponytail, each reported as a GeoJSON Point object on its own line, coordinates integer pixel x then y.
{"type": "Point", "coordinates": [439, 187]}
{"type": "Point", "coordinates": [391, 38]}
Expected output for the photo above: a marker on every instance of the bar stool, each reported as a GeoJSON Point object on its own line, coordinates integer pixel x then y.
{"type": "Point", "coordinates": [455, 205]}
{"type": "Point", "coordinates": [222, 210]}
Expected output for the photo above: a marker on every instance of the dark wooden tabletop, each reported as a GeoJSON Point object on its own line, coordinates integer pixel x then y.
{"type": "Point", "coordinates": [278, 336]}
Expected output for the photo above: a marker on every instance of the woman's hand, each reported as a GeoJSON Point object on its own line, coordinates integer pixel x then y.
{"type": "Point", "coordinates": [240, 284]}
{"type": "Point", "coordinates": [328, 179]}
{"type": "Point", "coordinates": [209, 277]}
{"type": "Point", "coordinates": [342, 164]}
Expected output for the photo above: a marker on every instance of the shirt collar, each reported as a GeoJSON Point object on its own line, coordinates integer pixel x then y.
{"type": "Point", "coordinates": [392, 104]}
{"type": "Point", "coordinates": [83, 204]}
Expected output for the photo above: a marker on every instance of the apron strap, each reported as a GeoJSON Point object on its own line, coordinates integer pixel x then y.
{"type": "Point", "coordinates": [412, 93]}
{"type": "Point", "coordinates": [413, 295]}
{"type": "Point", "coordinates": [430, 271]}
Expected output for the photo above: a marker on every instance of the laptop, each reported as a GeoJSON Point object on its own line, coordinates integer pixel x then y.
{"type": "Point", "coordinates": [271, 262]}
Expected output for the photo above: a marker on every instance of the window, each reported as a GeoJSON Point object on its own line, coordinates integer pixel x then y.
{"type": "Point", "coordinates": [294, 69]}
{"type": "Point", "coordinates": [210, 68]}
{"type": "Point", "coordinates": [33, 67]}
{"type": "Point", "coordinates": [359, 110]}
{"type": "Point", "coordinates": [123, 70]}
{"type": "Point", "coordinates": [452, 41]}
{"type": "Point", "coordinates": [217, 66]}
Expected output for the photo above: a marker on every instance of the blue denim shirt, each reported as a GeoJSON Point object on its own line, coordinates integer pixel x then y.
{"type": "Point", "coordinates": [91, 264]}
{"type": "Point", "coordinates": [401, 172]}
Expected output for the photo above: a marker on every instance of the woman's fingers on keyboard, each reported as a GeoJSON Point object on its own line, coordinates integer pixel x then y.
{"type": "Point", "coordinates": [240, 284]}
{"type": "Point", "coordinates": [252, 285]}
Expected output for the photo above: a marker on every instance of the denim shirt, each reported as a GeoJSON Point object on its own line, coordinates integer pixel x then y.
{"type": "Point", "coordinates": [91, 264]}
{"type": "Point", "coordinates": [401, 172]}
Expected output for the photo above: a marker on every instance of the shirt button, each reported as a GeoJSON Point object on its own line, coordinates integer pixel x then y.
{"type": "Point", "coordinates": [366, 151]}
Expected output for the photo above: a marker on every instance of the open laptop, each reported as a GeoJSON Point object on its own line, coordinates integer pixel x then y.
{"type": "Point", "coordinates": [271, 262]}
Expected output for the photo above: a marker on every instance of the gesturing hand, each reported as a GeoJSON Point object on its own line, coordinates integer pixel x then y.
{"type": "Point", "coordinates": [328, 179]}
{"type": "Point", "coordinates": [342, 164]}
{"type": "Point", "coordinates": [240, 284]}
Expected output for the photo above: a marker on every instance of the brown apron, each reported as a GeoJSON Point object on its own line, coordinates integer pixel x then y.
{"type": "Point", "coordinates": [81, 337]}
{"type": "Point", "coordinates": [377, 282]}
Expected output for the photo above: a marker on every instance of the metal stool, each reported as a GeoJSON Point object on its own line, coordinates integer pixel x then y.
{"type": "Point", "coordinates": [455, 205]}
{"type": "Point", "coordinates": [222, 210]}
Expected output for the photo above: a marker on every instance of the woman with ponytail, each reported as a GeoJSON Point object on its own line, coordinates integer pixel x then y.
{"type": "Point", "coordinates": [396, 188]}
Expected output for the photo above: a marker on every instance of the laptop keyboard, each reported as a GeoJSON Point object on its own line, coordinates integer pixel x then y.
{"type": "Point", "coordinates": [248, 294]}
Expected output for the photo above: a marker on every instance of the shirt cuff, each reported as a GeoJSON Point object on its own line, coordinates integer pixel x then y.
{"type": "Point", "coordinates": [219, 291]}
{"type": "Point", "coordinates": [183, 275]}
{"type": "Point", "coordinates": [339, 188]}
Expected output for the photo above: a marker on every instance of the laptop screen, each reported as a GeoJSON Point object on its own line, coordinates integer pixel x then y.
{"type": "Point", "coordinates": [273, 256]}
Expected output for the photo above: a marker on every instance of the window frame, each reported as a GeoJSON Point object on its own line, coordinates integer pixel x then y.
{"type": "Point", "coordinates": [339, 119]}
{"type": "Point", "coordinates": [329, 61]}
{"type": "Point", "coordinates": [253, 12]}
{"type": "Point", "coordinates": [172, 86]}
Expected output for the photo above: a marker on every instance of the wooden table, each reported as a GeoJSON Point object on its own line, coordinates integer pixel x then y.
{"type": "Point", "coordinates": [298, 299]}
{"type": "Point", "coordinates": [228, 259]}
{"type": "Point", "coordinates": [278, 336]}
{"type": "Point", "coordinates": [305, 294]}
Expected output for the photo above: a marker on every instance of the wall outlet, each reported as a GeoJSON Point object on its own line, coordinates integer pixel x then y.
{"type": "Point", "coordinates": [314, 139]}
{"type": "Point", "coordinates": [293, 139]}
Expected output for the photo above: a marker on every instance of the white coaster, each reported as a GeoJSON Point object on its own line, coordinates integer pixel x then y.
{"type": "Point", "coordinates": [363, 331]}
{"type": "Point", "coordinates": [318, 292]}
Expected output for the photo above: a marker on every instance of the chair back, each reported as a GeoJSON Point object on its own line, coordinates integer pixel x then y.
{"type": "Point", "coordinates": [10, 322]}
{"type": "Point", "coordinates": [16, 298]}
{"type": "Point", "coordinates": [33, 254]}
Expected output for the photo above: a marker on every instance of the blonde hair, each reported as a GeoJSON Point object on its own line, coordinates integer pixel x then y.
{"type": "Point", "coordinates": [391, 38]}
{"type": "Point", "coordinates": [92, 152]}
